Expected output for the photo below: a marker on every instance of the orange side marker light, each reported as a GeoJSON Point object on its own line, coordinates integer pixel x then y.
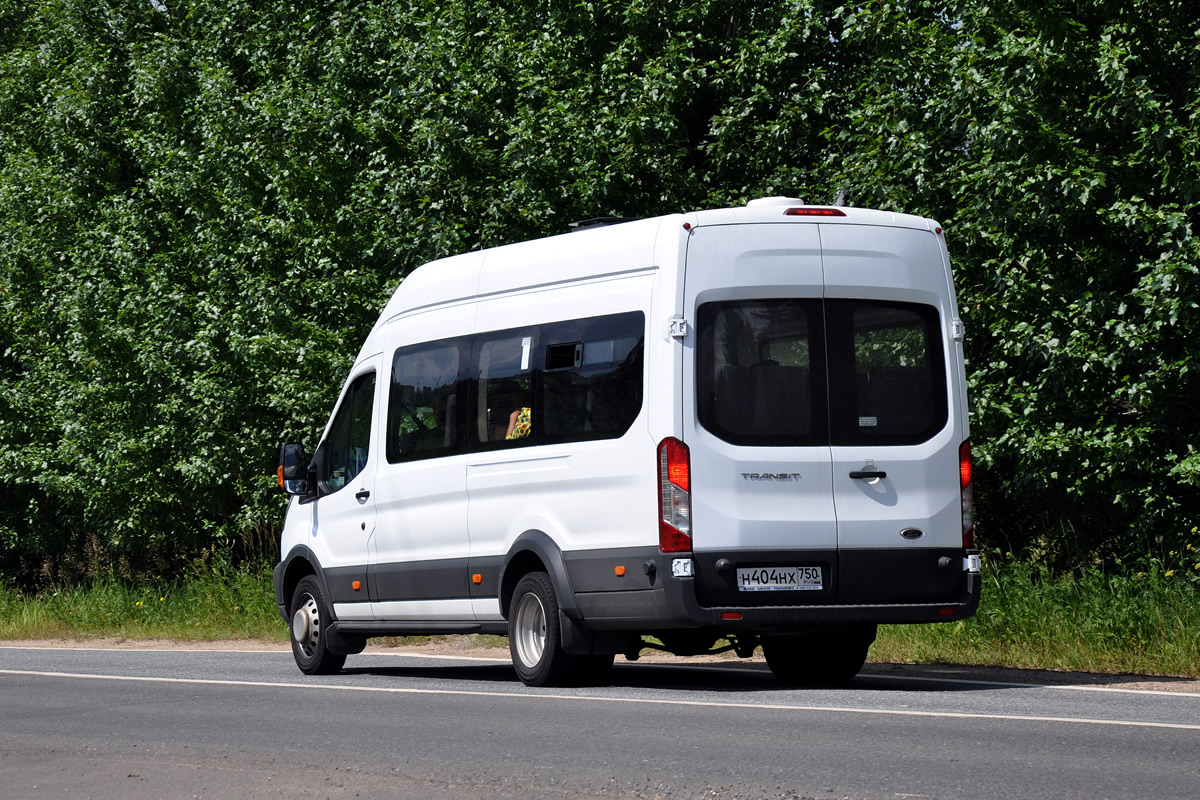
{"type": "Point", "coordinates": [476, 579]}
{"type": "Point", "coordinates": [357, 585]}
{"type": "Point", "coordinates": [620, 572]}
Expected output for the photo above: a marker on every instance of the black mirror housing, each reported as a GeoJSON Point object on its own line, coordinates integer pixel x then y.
{"type": "Point", "coordinates": [293, 469]}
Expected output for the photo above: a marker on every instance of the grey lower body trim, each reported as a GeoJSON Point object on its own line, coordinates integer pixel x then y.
{"type": "Point", "coordinates": [339, 583]}
{"type": "Point", "coordinates": [620, 569]}
{"type": "Point", "coordinates": [442, 579]}
{"type": "Point", "coordinates": [632, 590]}
{"type": "Point", "coordinates": [644, 610]}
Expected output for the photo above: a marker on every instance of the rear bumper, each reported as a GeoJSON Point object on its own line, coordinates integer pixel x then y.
{"type": "Point", "coordinates": [673, 604]}
{"type": "Point", "coordinates": [765, 618]}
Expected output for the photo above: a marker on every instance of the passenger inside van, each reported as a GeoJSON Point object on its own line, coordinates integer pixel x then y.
{"type": "Point", "coordinates": [520, 423]}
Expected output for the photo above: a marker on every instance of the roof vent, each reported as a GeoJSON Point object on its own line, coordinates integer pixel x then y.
{"type": "Point", "coordinates": [775, 201]}
{"type": "Point", "coordinates": [598, 222]}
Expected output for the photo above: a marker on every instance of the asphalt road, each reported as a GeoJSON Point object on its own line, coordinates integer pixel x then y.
{"type": "Point", "coordinates": [142, 724]}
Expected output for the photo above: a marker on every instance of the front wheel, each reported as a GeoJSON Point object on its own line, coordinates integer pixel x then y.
{"type": "Point", "coordinates": [310, 619]}
{"type": "Point", "coordinates": [535, 640]}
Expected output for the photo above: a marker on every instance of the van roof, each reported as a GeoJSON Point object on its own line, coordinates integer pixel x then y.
{"type": "Point", "coordinates": [594, 252]}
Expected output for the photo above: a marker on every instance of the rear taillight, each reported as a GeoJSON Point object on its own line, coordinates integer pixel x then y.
{"type": "Point", "coordinates": [674, 497]}
{"type": "Point", "coordinates": [964, 481]}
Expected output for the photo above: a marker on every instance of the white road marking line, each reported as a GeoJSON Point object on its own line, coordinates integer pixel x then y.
{"type": "Point", "coordinates": [590, 698]}
{"type": "Point", "coordinates": [1019, 685]}
{"type": "Point", "coordinates": [693, 666]}
{"type": "Point", "coordinates": [283, 650]}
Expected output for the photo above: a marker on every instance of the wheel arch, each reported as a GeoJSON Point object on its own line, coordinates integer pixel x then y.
{"type": "Point", "coordinates": [301, 561]}
{"type": "Point", "coordinates": [534, 551]}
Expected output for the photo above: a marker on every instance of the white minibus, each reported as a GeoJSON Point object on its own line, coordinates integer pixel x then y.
{"type": "Point", "coordinates": [704, 431]}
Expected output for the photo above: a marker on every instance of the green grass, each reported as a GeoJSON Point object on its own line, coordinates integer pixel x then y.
{"type": "Point", "coordinates": [218, 604]}
{"type": "Point", "coordinates": [1142, 622]}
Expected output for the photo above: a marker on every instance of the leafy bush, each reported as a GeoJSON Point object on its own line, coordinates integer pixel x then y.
{"type": "Point", "coordinates": [204, 203]}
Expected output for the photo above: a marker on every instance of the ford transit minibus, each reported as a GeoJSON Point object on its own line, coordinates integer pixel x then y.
{"type": "Point", "coordinates": [720, 429]}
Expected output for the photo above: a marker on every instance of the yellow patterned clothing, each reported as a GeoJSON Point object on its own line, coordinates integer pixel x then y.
{"type": "Point", "coordinates": [522, 424]}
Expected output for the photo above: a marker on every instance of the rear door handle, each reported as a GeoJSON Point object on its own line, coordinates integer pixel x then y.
{"type": "Point", "coordinates": [361, 495]}
{"type": "Point", "coordinates": [862, 474]}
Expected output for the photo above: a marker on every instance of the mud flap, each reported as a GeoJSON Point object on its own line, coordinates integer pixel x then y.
{"type": "Point", "coordinates": [344, 644]}
{"type": "Point", "coordinates": [579, 640]}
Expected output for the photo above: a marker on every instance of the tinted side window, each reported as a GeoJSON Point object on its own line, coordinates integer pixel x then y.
{"type": "Point", "coordinates": [349, 440]}
{"type": "Point", "coordinates": [760, 372]}
{"type": "Point", "coordinates": [591, 381]}
{"type": "Point", "coordinates": [504, 390]}
{"type": "Point", "coordinates": [424, 402]}
{"type": "Point", "coordinates": [887, 372]}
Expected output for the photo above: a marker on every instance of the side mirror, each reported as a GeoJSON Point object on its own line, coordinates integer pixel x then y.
{"type": "Point", "coordinates": [293, 469]}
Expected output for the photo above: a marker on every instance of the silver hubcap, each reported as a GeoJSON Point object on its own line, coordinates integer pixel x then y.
{"type": "Point", "coordinates": [306, 624]}
{"type": "Point", "coordinates": [531, 630]}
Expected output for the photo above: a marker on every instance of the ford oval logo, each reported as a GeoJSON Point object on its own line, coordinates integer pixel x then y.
{"type": "Point", "coordinates": [911, 533]}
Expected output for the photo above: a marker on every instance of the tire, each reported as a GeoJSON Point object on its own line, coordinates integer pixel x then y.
{"type": "Point", "coordinates": [535, 640]}
{"type": "Point", "coordinates": [310, 617]}
{"type": "Point", "coordinates": [814, 659]}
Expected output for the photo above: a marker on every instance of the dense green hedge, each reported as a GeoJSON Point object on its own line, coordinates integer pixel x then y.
{"type": "Point", "coordinates": [203, 205]}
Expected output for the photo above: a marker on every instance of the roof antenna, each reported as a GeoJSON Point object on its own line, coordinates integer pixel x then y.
{"type": "Point", "coordinates": [841, 198]}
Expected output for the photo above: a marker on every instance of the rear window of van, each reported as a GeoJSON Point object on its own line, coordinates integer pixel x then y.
{"type": "Point", "coordinates": [797, 372]}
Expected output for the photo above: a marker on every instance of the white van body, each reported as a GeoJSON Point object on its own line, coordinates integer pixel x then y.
{"type": "Point", "coordinates": [746, 424]}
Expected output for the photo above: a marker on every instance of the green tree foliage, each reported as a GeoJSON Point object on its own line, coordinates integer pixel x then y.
{"type": "Point", "coordinates": [1058, 141]}
{"type": "Point", "coordinates": [204, 203]}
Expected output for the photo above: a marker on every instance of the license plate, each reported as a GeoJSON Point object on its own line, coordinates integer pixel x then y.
{"type": "Point", "coordinates": [780, 579]}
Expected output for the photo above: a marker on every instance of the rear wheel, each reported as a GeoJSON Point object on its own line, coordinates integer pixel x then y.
{"type": "Point", "coordinates": [310, 620]}
{"type": "Point", "coordinates": [535, 640]}
{"type": "Point", "coordinates": [814, 659]}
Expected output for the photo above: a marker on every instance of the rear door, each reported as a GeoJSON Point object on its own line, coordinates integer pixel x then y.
{"type": "Point", "coordinates": [893, 428]}
{"type": "Point", "coordinates": [757, 431]}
